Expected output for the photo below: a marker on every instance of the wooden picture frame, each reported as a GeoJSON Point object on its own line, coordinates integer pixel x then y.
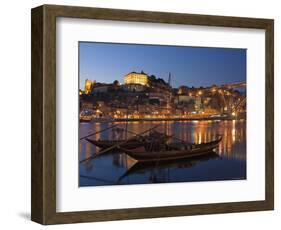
{"type": "Point", "coordinates": [43, 208]}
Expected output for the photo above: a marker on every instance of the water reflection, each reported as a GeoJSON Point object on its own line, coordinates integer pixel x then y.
{"type": "Point", "coordinates": [230, 162]}
{"type": "Point", "coordinates": [158, 169]}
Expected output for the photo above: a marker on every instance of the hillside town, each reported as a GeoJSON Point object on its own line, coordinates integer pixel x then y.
{"type": "Point", "coordinates": [140, 96]}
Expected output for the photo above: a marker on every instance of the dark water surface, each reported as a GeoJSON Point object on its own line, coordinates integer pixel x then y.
{"type": "Point", "coordinates": [227, 163]}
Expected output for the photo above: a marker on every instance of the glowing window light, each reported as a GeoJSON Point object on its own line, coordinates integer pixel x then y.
{"type": "Point", "coordinates": [136, 78]}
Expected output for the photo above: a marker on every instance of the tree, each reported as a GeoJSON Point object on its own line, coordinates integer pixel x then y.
{"type": "Point", "coordinates": [152, 77]}
{"type": "Point", "coordinates": [116, 83]}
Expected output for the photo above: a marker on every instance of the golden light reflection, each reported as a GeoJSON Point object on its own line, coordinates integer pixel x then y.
{"type": "Point", "coordinates": [233, 144]}
{"type": "Point", "coordinates": [199, 138]}
{"type": "Point", "coordinates": [233, 131]}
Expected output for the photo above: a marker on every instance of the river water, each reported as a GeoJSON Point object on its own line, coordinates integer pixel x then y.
{"type": "Point", "coordinates": [228, 162]}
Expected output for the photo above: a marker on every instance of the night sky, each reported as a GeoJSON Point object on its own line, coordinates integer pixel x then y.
{"type": "Point", "coordinates": [190, 66]}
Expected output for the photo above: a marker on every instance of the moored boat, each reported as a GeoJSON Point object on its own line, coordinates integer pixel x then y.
{"type": "Point", "coordinates": [138, 141]}
{"type": "Point", "coordinates": [104, 144]}
{"type": "Point", "coordinates": [172, 151]}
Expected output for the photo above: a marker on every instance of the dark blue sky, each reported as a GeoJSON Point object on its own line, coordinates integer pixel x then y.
{"type": "Point", "coordinates": [191, 66]}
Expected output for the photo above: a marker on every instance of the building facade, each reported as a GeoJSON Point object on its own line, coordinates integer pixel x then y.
{"type": "Point", "coordinates": [88, 86]}
{"type": "Point", "coordinates": [101, 88]}
{"type": "Point", "coordinates": [136, 78]}
{"type": "Point", "coordinates": [133, 87]}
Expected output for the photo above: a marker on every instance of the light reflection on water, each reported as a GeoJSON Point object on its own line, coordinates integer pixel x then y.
{"type": "Point", "coordinates": [228, 163]}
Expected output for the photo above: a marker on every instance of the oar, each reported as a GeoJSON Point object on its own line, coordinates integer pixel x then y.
{"type": "Point", "coordinates": [98, 132]}
{"type": "Point", "coordinates": [116, 145]}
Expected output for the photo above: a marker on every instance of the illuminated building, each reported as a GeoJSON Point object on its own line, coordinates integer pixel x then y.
{"type": "Point", "coordinates": [183, 90]}
{"type": "Point", "coordinates": [101, 88]}
{"type": "Point", "coordinates": [88, 86]}
{"type": "Point", "coordinates": [133, 87]}
{"type": "Point", "coordinates": [136, 78]}
{"type": "Point", "coordinates": [198, 103]}
{"type": "Point", "coordinates": [186, 98]}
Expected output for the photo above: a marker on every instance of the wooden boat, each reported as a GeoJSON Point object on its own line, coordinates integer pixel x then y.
{"type": "Point", "coordinates": [153, 137]}
{"type": "Point", "coordinates": [173, 151]}
{"type": "Point", "coordinates": [104, 144]}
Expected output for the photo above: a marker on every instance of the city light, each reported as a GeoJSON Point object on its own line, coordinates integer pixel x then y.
{"type": "Point", "coordinates": [151, 98]}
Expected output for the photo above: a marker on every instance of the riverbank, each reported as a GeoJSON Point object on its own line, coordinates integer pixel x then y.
{"type": "Point", "coordinates": [178, 119]}
{"type": "Point", "coordinates": [163, 119]}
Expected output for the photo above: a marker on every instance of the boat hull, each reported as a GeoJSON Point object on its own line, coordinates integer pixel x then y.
{"type": "Point", "coordinates": [107, 144]}
{"type": "Point", "coordinates": [129, 144]}
{"type": "Point", "coordinates": [196, 150]}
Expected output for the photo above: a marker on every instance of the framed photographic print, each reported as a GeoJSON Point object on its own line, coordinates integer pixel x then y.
{"type": "Point", "coordinates": [141, 114]}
